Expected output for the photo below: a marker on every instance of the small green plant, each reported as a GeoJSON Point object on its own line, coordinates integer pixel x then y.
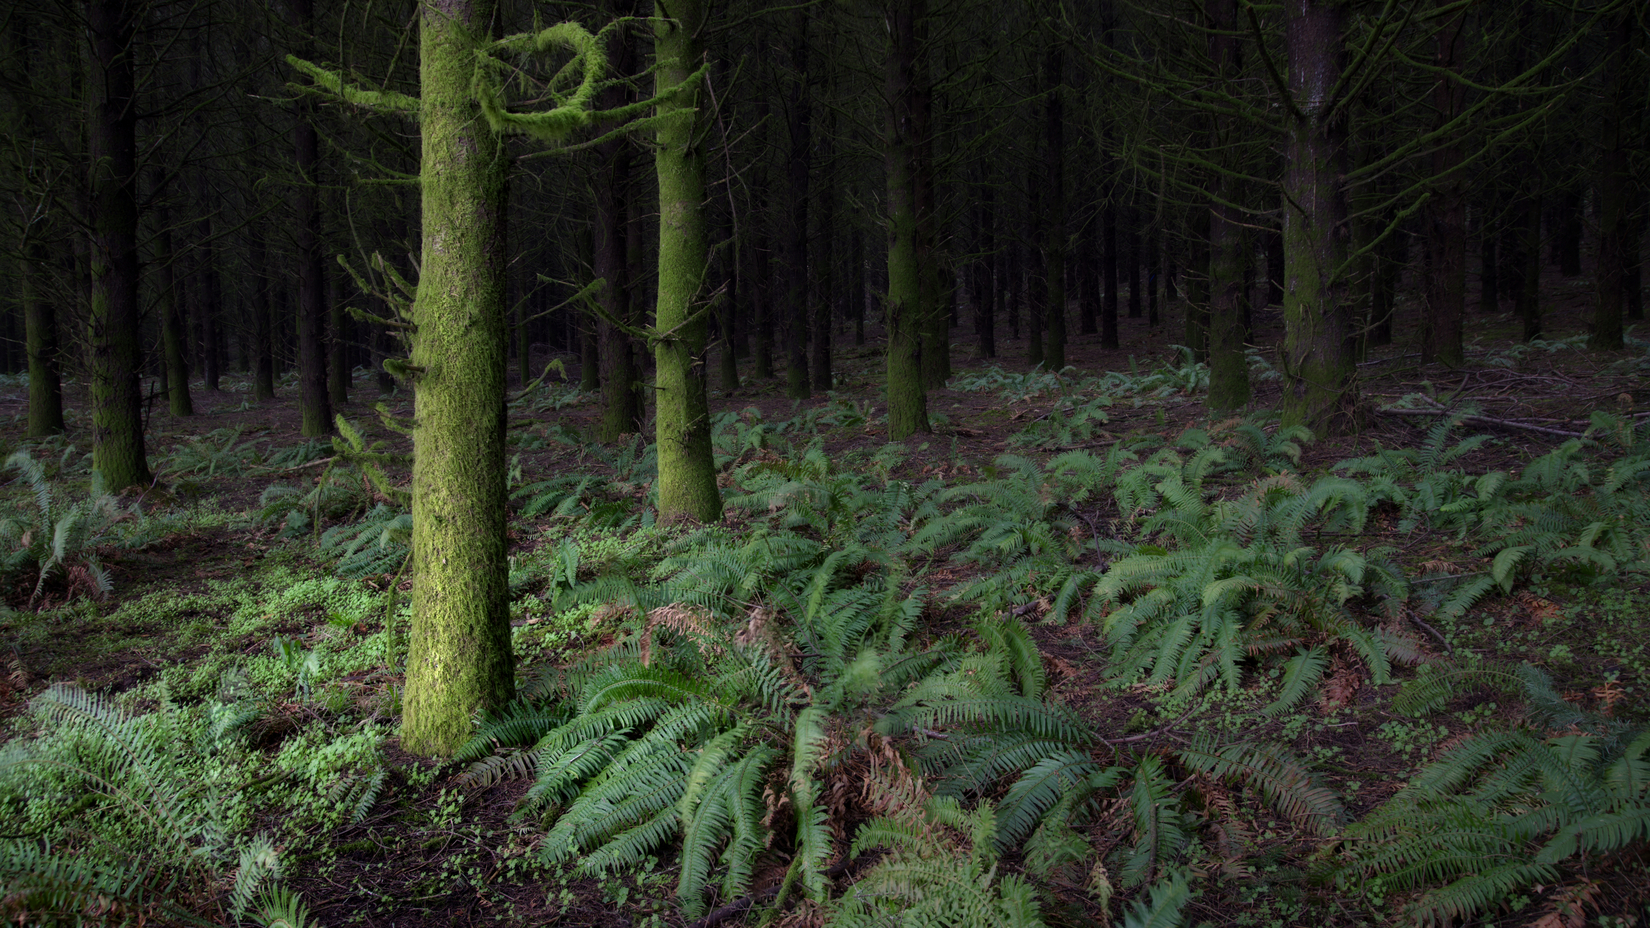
{"type": "Point", "coordinates": [142, 786]}
{"type": "Point", "coordinates": [56, 540]}
{"type": "Point", "coordinates": [1564, 795]}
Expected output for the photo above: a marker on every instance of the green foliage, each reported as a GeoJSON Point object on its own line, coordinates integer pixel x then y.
{"type": "Point", "coordinates": [378, 544]}
{"type": "Point", "coordinates": [1504, 810]}
{"type": "Point", "coordinates": [219, 451]}
{"type": "Point", "coordinates": [1243, 582]}
{"type": "Point", "coordinates": [53, 539]}
{"type": "Point", "coordinates": [122, 820]}
{"type": "Point", "coordinates": [924, 877]}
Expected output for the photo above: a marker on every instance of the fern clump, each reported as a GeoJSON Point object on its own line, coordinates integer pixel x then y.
{"type": "Point", "coordinates": [53, 541]}
{"type": "Point", "coordinates": [925, 878]}
{"type": "Point", "coordinates": [1243, 581]}
{"type": "Point", "coordinates": [1503, 811]}
{"type": "Point", "coordinates": [127, 818]}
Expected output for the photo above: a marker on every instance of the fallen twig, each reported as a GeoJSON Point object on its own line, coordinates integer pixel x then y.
{"type": "Point", "coordinates": [1483, 420]}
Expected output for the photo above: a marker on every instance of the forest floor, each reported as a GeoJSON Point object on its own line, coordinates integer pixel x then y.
{"type": "Point", "coordinates": [223, 592]}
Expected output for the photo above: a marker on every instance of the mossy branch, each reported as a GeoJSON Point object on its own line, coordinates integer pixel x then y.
{"type": "Point", "coordinates": [333, 84]}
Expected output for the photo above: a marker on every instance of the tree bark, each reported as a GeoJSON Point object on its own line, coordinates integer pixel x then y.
{"type": "Point", "coordinates": [1320, 385]}
{"type": "Point", "coordinates": [1229, 245]}
{"type": "Point", "coordinates": [178, 401]}
{"type": "Point", "coordinates": [1441, 327]}
{"type": "Point", "coordinates": [687, 470]}
{"type": "Point", "coordinates": [118, 455]}
{"type": "Point", "coordinates": [459, 659]}
{"type": "Point", "coordinates": [1054, 249]}
{"type": "Point", "coordinates": [621, 377]}
{"type": "Point", "coordinates": [263, 365]}
{"type": "Point", "coordinates": [1615, 180]}
{"type": "Point", "coordinates": [312, 308]}
{"type": "Point", "coordinates": [40, 335]}
{"type": "Point", "coordinates": [907, 396]}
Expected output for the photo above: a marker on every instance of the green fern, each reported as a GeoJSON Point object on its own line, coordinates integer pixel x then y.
{"type": "Point", "coordinates": [1535, 808]}
{"type": "Point", "coordinates": [137, 778]}
{"type": "Point", "coordinates": [925, 879]}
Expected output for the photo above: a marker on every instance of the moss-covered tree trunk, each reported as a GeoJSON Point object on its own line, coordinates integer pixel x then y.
{"type": "Point", "coordinates": [687, 471]}
{"type": "Point", "coordinates": [40, 335]}
{"type": "Point", "coordinates": [907, 398]}
{"type": "Point", "coordinates": [113, 335]}
{"type": "Point", "coordinates": [1320, 386]}
{"type": "Point", "coordinates": [459, 657]}
{"type": "Point", "coordinates": [1229, 245]}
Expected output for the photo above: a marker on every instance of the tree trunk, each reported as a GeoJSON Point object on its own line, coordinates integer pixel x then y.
{"type": "Point", "coordinates": [687, 470]}
{"type": "Point", "coordinates": [178, 401]}
{"type": "Point", "coordinates": [934, 319]}
{"type": "Point", "coordinates": [621, 377]}
{"type": "Point", "coordinates": [263, 367]}
{"type": "Point", "coordinates": [1229, 245]}
{"type": "Point", "coordinates": [40, 334]}
{"type": "Point", "coordinates": [1055, 220]}
{"type": "Point", "coordinates": [312, 308]}
{"type": "Point", "coordinates": [1615, 180]}
{"type": "Point", "coordinates": [1320, 386]}
{"type": "Point", "coordinates": [824, 300]}
{"type": "Point", "coordinates": [459, 659]}
{"type": "Point", "coordinates": [794, 309]}
{"type": "Point", "coordinates": [907, 397]}
{"type": "Point", "coordinates": [985, 286]}
{"type": "Point", "coordinates": [1108, 263]}
{"type": "Point", "coordinates": [338, 366]}
{"type": "Point", "coordinates": [1441, 327]}
{"type": "Point", "coordinates": [114, 336]}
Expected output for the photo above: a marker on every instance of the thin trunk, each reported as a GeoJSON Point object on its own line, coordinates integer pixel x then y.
{"type": "Point", "coordinates": [797, 175]}
{"type": "Point", "coordinates": [1526, 262]}
{"type": "Point", "coordinates": [1229, 245]}
{"type": "Point", "coordinates": [1055, 201]}
{"type": "Point", "coordinates": [1441, 328]}
{"type": "Point", "coordinates": [338, 338]}
{"type": "Point", "coordinates": [1196, 331]}
{"type": "Point", "coordinates": [1037, 269]}
{"type": "Point", "coordinates": [620, 375]}
{"type": "Point", "coordinates": [907, 398]}
{"type": "Point", "coordinates": [40, 333]}
{"type": "Point", "coordinates": [1615, 182]}
{"type": "Point", "coordinates": [825, 292]}
{"type": "Point", "coordinates": [178, 401]}
{"type": "Point", "coordinates": [263, 367]}
{"type": "Point", "coordinates": [312, 307]}
{"type": "Point", "coordinates": [985, 287]}
{"type": "Point", "coordinates": [1108, 270]}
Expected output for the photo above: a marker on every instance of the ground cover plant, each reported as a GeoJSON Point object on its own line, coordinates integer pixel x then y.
{"type": "Point", "coordinates": [1083, 655]}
